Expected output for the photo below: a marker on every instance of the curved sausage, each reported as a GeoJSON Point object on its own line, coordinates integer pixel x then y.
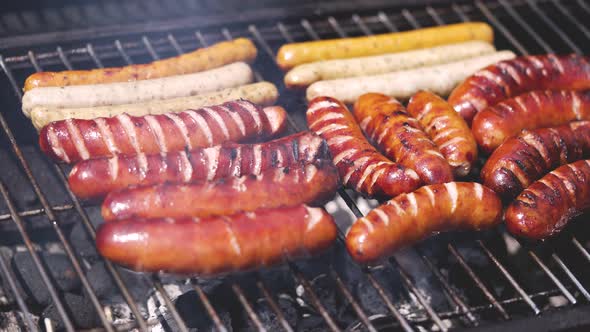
{"type": "Point", "coordinates": [360, 165]}
{"type": "Point", "coordinates": [73, 140]}
{"type": "Point", "coordinates": [217, 55]}
{"type": "Point", "coordinates": [94, 178]}
{"type": "Point", "coordinates": [546, 206]}
{"type": "Point", "coordinates": [523, 159]}
{"type": "Point", "coordinates": [531, 110]}
{"type": "Point", "coordinates": [409, 218]}
{"type": "Point", "coordinates": [510, 78]}
{"type": "Point", "coordinates": [285, 186]}
{"type": "Point", "coordinates": [217, 245]}
{"type": "Point", "coordinates": [447, 129]}
{"type": "Point", "coordinates": [400, 137]}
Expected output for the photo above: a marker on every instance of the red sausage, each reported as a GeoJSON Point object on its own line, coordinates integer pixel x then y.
{"type": "Point", "coordinates": [285, 186]}
{"type": "Point", "coordinates": [546, 206]}
{"type": "Point", "coordinates": [94, 178]}
{"type": "Point", "coordinates": [409, 218]}
{"type": "Point", "coordinates": [509, 78]}
{"type": "Point", "coordinates": [217, 245]}
{"type": "Point", "coordinates": [73, 140]}
{"type": "Point", "coordinates": [360, 165]}
{"type": "Point", "coordinates": [523, 159]}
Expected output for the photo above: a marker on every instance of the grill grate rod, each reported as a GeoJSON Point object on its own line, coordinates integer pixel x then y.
{"type": "Point", "coordinates": [242, 298]}
{"type": "Point", "coordinates": [553, 26]}
{"type": "Point", "coordinates": [36, 212]}
{"type": "Point", "coordinates": [516, 17]}
{"type": "Point", "coordinates": [209, 308]}
{"type": "Point", "coordinates": [160, 288]}
{"type": "Point", "coordinates": [273, 305]}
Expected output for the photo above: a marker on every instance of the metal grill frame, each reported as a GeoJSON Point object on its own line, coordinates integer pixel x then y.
{"type": "Point", "coordinates": [464, 12]}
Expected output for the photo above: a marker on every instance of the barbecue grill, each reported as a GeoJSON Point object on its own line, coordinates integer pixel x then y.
{"type": "Point", "coordinates": [481, 281]}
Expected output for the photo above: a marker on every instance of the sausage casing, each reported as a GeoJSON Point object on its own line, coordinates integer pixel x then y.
{"type": "Point", "coordinates": [400, 137]}
{"type": "Point", "coordinates": [72, 140]}
{"type": "Point", "coordinates": [217, 245]}
{"type": "Point", "coordinates": [285, 186]}
{"type": "Point", "coordinates": [509, 78]}
{"type": "Point", "coordinates": [447, 129]}
{"type": "Point", "coordinates": [360, 165]}
{"type": "Point", "coordinates": [523, 159]}
{"type": "Point", "coordinates": [547, 205]}
{"type": "Point", "coordinates": [409, 218]}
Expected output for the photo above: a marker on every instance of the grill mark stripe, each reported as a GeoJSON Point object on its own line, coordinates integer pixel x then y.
{"type": "Point", "coordinates": [156, 129]}
{"type": "Point", "coordinates": [237, 119]}
{"type": "Point", "coordinates": [56, 146]}
{"type": "Point", "coordinates": [382, 215]}
{"type": "Point", "coordinates": [125, 121]}
{"type": "Point", "coordinates": [321, 105]}
{"type": "Point", "coordinates": [203, 125]}
{"type": "Point", "coordinates": [453, 194]}
{"type": "Point", "coordinates": [181, 127]}
{"type": "Point", "coordinates": [413, 204]}
{"type": "Point", "coordinates": [212, 161]}
{"type": "Point", "coordinates": [257, 149]}
{"type": "Point", "coordinates": [107, 134]}
{"type": "Point", "coordinates": [217, 118]}
{"type": "Point", "coordinates": [187, 167]}
{"type": "Point", "coordinates": [254, 111]}
{"type": "Point", "coordinates": [77, 140]}
{"type": "Point", "coordinates": [114, 167]}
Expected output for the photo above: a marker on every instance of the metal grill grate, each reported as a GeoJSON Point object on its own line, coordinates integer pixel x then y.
{"type": "Point", "coordinates": [561, 268]}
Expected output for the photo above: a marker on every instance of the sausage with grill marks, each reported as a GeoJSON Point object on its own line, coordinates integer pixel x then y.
{"type": "Point", "coordinates": [94, 178]}
{"type": "Point", "coordinates": [360, 165]}
{"type": "Point", "coordinates": [531, 110]}
{"type": "Point", "coordinates": [547, 205]}
{"type": "Point", "coordinates": [285, 186]}
{"type": "Point", "coordinates": [447, 129]}
{"type": "Point", "coordinates": [409, 218]}
{"type": "Point", "coordinates": [510, 78]}
{"type": "Point", "coordinates": [400, 137]}
{"type": "Point", "coordinates": [523, 159]}
{"type": "Point", "coordinates": [73, 140]}
{"type": "Point", "coordinates": [217, 245]}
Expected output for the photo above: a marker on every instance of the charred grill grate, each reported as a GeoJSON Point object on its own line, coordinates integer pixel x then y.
{"type": "Point", "coordinates": [474, 299]}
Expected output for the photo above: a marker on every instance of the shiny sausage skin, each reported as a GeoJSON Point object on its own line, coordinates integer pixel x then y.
{"type": "Point", "coordinates": [546, 206]}
{"type": "Point", "coordinates": [531, 110]}
{"type": "Point", "coordinates": [217, 245]}
{"type": "Point", "coordinates": [447, 129]}
{"type": "Point", "coordinates": [73, 140]}
{"type": "Point", "coordinates": [400, 137]}
{"type": "Point", "coordinates": [523, 159]}
{"type": "Point", "coordinates": [509, 78]}
{"type": "Point", "coordinates": [285, 186]}
{"type": "Point", "coordinates": [360, 165]}
{"type": "Point", "coordinates": [94, 178]}
{"type": "Point", "coordinates": [409, 218]}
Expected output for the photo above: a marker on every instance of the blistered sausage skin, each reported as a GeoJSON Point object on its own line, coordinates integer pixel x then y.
{"type": "Point", "coordinates": [94, 178]}
{"type": "Point", "coordinates": [447, 129]}
{"type": "Point", "coordinates": [531, 110]}
{"type": "Point", "coordinates": [217, 245]}
{"type": "Point", "coordinates": [73, 140]}
{"type": "Point", "coordinates": [400, 137]}
{"type": "Point", "coordinates": [523, 159]}
{"type": "Point", "coordinates": [409, 218]}
{"type": "Point", "coordinates": [510, 78]}
{"type": "Point", "coordinates": [547, 205]}
{"type": "Point", "coordinates": [360, 165]}
{"type": "Point", "coordinates": [285, 186]}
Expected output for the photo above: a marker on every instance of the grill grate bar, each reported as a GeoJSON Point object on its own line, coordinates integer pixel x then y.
{"type": "Point", "coordinates": [308, 28]}
{"type": "Point", "coordinates": [498, 25]}
{"type": "Point", "coordinates": [384, 19]}
{"type": "Point", "coordinates": [581, 248]}
{"type": "Point", "coordinates": [457, 9]}
{"type": "Point", "coordinates": [148, 45]}
{"type": "Point", "coordinates": [175, 43]}
{"type": "Point", "coordinates": [553, 278]}
{"type": "Point", "coordinates": [566, 12]}
{"type": "Point", "coordinates": [516, 17]}
{"type": "Point", "coordinates": [251, 314]}
{"type": "Point", "coordinates": [355, 305]}
{"type": "Point", "coordinates": [411, 19]}
{"type": "Point", "coordinates": [361, 24]}
{"type": "Point", "coordinates": [63, 58]}
{"type": "Point", "coordinates": [209, 308]}
{"type": "Point", "coordinates": [398, 316]}
{"type": "Point", "coordinates": [285, 32]}
{"type": "Point", "coordinates": [432, 12]}
{"type": "Point", "coordinates": [119, 48]}
{"type": "Point", "coordinates": [35, 212]}
{"type": "Point", "coordinates": [336, 26]}
{"type": "Point", "coordinates": [570, 275]}
{"type": "Point", "coordinates": [179, 321]}
{"type": "Point", "coordinates": [201, 39]}
{"type": "Point", "coordinates": [564, 37]}
{"type": "Point", "coordinates": [273, 305]}
{"type": "Point", "coordinates": [92, 53]}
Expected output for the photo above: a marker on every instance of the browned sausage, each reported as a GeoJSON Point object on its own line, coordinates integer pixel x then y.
{"type": "Point", "coordinates": [523, 159]}
{"type": "Point", "coordinates": [217, 245]}
{"type": "Point", "coordinates": [285, 186]}
{"type": "Point", "coordinates": [360, 165]}
{"type": "Point", "coordinates": [531, 110]}
{"type": "Point", "coordinates": [94, 178]}
{"type": "Point", "coordinates": [73, 140]}
{"type": "Point", "coordinates": [546, 206]}
{"type": "Point", "coordinates": [447, 129]}
{"type": "Point", "coordinates": [509, 78]}
{"type": "Point", "coordinates": [409, 218]}
{"type": "Point", "coordinates": [400, 137]}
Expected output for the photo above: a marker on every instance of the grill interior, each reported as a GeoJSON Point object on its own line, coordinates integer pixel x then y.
{"type": "Point", "coordinates": [462, 280]}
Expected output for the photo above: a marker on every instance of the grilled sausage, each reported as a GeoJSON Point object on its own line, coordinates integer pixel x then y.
{"type": "Point", "coordinates": [447, 129]}
{"type": "Point", "coordinates": [523, 159]}
{"type": "Point", "coordinates": [400, 137]}
{"type": "Point", "coordinates": [217, 245]}
{"type": "Point", "coordinates": [75, 96]}
{"type": "Point", "coordinates": [94, 178]}
{"type": "Point", "coordinates": [72, 140]}
{"type": "Point", "coordinates": [409, 218]}
{"type": "Point", "coordinates": [285, 186]}
{"type": "Point", "coordinates": [360, 165]}
{"type": "Point", "coordinates": [262, 93]}
{"type": "Point", "coordinates": [531, 110]}
{"type": "Point", "coordinates": [546, 206]}
{"type": "Point", "coordinates": [214, 56]}
{"type": "Point", "coordinates": [510, 78]}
